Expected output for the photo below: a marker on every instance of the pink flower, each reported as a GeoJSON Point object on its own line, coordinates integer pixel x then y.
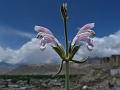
{"type": "Point", "coordinates": [86, 28]}
{"type": "Point", "coordinates": [46, 37]}
{"type": "Point", "coordinates": [84, 36]}
{"type": "Point", "coordinates": [42, 30]}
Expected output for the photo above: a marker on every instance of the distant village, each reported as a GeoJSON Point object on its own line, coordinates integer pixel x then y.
{"type": "Point", "coordinates": [95, 74]}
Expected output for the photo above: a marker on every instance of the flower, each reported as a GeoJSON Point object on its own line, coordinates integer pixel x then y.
{"type": "Point", "coordinates": [46, 37]}
{"type": "Point", "coordinates": [42, 30]}
{"type": "Point", "coordinates": [84, 36]}
{"type": "Point", "coordinates": [87, 28]}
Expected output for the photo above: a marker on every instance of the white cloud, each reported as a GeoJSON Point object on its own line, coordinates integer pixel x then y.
{"type": "Point", "coordinates": [28, 53]}
{"type": "Point", "coordinates": [24, 34]}
{"type": "Point", "coordinates": [13, 31]}
{"type": "Point", "coordinates": [104, 47]}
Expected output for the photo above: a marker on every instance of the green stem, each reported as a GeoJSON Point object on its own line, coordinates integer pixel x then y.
{"type": "Point", "coordinates": [65, 17]}
{"type": "Point", "coordinates": [67, 82]}
{"type": "Point", "coordinates": [67, 62]}
{"type": "Point", "coordinates": [66, 36]}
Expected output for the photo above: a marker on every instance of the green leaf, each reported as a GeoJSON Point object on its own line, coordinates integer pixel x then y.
{"type": "Point", "coordinates": [80, 61]}
{"type": "Point", "coordinates": [73, 50]}
{"type": "Point", "coordinates": [60, 51]}
{"type": "Point", "coordinates": [70, 48]}
{"type": "Point", "coordinates": [60, 69]}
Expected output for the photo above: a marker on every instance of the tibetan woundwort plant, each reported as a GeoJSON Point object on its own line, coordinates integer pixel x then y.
{"type": "Point", "coordinates": [83, 37]}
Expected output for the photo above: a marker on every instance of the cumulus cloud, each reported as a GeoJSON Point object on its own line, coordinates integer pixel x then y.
{"type": "Point", "coordinates": [31, 54]}
{"type": "Point", "coordinates": [104, 47]}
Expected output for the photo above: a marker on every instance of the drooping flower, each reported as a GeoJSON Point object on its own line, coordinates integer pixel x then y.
{"type": "Point", "coordinates": [84, 36]}
{"type": "Point", "coordinates": [86, 28]}
{"type": "Point", "coordinates": [46, 37]}
{"type": "Point", "coordinates": [42, 30]}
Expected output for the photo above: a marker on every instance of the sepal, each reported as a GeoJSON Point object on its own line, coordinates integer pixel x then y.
{"type": "Point", "coordinates": [60, 51]}
{"type": "Point", "coordinates": [72, 50]}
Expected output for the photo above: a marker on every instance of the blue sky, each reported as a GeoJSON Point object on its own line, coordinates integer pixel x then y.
{"type": "Point", "coordinates": [22, 15]}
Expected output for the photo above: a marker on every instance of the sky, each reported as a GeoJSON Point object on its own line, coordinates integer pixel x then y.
{"type": "Point", "coordinates": [18, 18]}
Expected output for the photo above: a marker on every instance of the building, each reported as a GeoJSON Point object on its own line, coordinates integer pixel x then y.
{"type": "Point", "coordinates": [114, 72]}
{"type": "Point", "coordinates": [114, 61]}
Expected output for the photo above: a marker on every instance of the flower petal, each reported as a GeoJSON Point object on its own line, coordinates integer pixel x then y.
{"type": "Point", "coordinates": [90, 48]}
{"type": "Point", "coordinates": [42, 44]}
{"type": "Point", "coordinates": [48, 39]}
{"type": "Point", "coordinates": [81, 40]}
{"type": "Point", "coordinates": [90, 42]}
{"type": "Point", "coordinates": [81, 37]}
{"type": "Point", "coordinates": [90, 45]}
{"type": "Point", "coordinates": [86, 28]}
{"type": "Point", "coordinates": [42, 29]}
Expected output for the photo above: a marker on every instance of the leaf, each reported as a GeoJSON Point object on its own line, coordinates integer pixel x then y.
{"type": "Point", "coordinates": [70, 48]}
{"type": "Point", "coordinates": [60, 69]}
{"type": "Point", "coordinates": [73, 50]}
{"type": "Point", "coordinates": [80, 61]}
{"type": "Point", "coordinates": [60, 51]}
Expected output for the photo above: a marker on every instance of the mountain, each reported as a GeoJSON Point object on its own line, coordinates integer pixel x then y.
{"type": "Point", "coordinates": [6, 67]}
{"type": "Point", "coordinates": [46, 69]}
{"type": "Point", "coordinates": [41, 69]}
{"type": "Point", "coordinates": [34, 69]}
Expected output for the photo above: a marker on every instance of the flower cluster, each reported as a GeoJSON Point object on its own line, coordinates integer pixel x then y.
{"type": "Point", "coordinates": [83, 37]}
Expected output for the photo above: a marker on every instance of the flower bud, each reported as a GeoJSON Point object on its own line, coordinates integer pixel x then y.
{"type": "Point", "coordinates": [64, 11]}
